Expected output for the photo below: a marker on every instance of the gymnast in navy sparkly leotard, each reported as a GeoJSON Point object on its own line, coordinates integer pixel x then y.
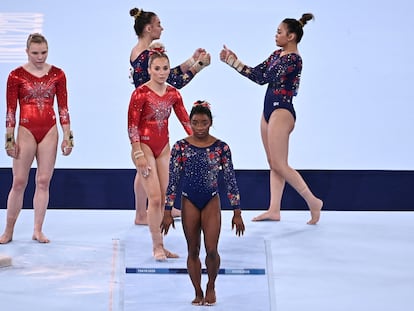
{"type": "Point", "coordinates": [282, 76]}
{"type": "Point", "coordinates": [281, 71]}
{"type": "Point", "coordinates": [198, 168]}
{"type": "Point", "coordinates": [195, 164]}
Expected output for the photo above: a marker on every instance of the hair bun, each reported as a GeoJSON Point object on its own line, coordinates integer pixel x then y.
{"type": "Point", "coordinates": [202, 103]}
{"type": "Point", "coordinates": [157, 47]}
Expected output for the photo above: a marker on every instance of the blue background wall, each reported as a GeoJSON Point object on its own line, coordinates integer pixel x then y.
{"type": "Point", "coordinates": [346, 190]}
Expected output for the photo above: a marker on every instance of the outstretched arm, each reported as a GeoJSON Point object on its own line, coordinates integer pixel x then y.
{"type": "Point", "coordinates": [181, 75]}
{"type": "Point", "coordinates": [258, 74]}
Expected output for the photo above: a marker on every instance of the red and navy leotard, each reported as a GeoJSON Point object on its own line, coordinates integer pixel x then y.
{"type": "Point", "coordinates": [176, 78]}
{"type": "Point", "coordinates": [148, 115]}
{"type": "Point", "coordinates": [36, 97]}
{"type": "Point", "coordinates": [197, 169]}
{"type": "Point", "coordinates": [282, 74]}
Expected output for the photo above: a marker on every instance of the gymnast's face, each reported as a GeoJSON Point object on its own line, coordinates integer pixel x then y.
{"type": "Point", "coordinates": [37, 53]}
{"type": "Point", "coordinates": [200, 124]}
{"type": "Point", "coordinates": [155, 29]}
{"type": "Point", "coordinates": [282, 35]}
{"type": "Point", "coordinates": [159, 69]}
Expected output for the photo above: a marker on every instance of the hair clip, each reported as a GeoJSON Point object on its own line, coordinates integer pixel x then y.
{"type": "Point", "coordinates": [157, 47]}
{"type": "Point", "coordinates": [202, 103]}
{"type": "Point", "coordinates": [138, 13]}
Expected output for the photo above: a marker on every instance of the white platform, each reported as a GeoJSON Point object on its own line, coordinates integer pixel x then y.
{"type": "Point", "coordinates": [350, 261]}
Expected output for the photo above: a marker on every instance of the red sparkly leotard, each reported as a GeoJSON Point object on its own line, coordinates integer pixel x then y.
{"type": "Point", "coordinates": [148, 115]}
{"type": "Point", "coordinates": [36, 97]}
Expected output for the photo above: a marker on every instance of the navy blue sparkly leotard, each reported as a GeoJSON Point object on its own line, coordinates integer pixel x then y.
{"type": "Point", "coordinates": [282, 74]}
{"type": "Point", "coordinates": [197, 170]}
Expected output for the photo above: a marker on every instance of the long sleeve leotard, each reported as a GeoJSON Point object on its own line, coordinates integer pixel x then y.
{"type": "Point", "coordinates": [35, 96]}
{"type": "Point", "coordinates": [197, 170]}
{"type": "Point", "coordinates": [176, 78]}
{"type": "Point", "coordinates": [282, 74]}
{"type": "Point", "coordinates": [148, 116]}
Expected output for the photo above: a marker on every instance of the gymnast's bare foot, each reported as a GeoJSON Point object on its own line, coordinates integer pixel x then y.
{"type": "Point", "coordinates": [6, 238]}
{"type": "Point", "coordinates": [210, 298]}
{"type": "Point", "coordinates": [315, 211]}
{"type": "Point", "coordinates": [169, 254]}
{"type": "Point", "coordinates": [159, 254]}
{"type": "Point", "coordinates": [198, 300]}
{"type": "Point", "coordinates": [40, 237]}
{"type": "Point", "coordinates": [268, 216]}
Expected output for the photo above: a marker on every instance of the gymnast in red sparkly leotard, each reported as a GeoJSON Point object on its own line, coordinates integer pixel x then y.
{"type": "Point", "coordinates": [36, 97]}
{"type": "Point", "coordinates": [149, 109]}
{"type": "Point", "coordinates": [148, 117]}
{"type": "Point", "coordinates": [33, 87]}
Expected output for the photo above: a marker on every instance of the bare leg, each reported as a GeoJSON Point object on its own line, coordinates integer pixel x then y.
{"type": "Point", "coordinates": [163, 162]}
{"type": "Point", "coordinates": [155, 186]}
{"type": "Point", "coordinates": [211, 225]}
{"type": "Point", "coordinates": [191, 220]}
{"type": "Point", "coordinates": [21, 169]}
{"type": "Point", "coordinates": [140, 202]}
{"type": "Point", "coordinates": [14, 206]}
{"type": "Point", "coordinates": [46, 159]}
{"type": "Point", "coordinates": [280, 126]}
{"type": "Point", "coordinates": [277, 183]}
{"type": "Point", "coordinates": [154, 216]}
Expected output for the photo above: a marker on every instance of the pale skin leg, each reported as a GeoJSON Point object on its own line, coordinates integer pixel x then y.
{"type": "Point", "coordinates": [277, 132]}
{"type": "Point", "coordinates": [155, 186]}
{"type": "Point", "coordinates": [141, 203]}
{"type": "Point", "coordinates": [194, 221]}
{"type": "Point", "coordinates": [46, 155]}
{"type": "Point", "coordinates": [46, 159]}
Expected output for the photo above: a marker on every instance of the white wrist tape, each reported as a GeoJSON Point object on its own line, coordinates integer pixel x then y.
{"type": "Point", "coordinates": [235, 63]}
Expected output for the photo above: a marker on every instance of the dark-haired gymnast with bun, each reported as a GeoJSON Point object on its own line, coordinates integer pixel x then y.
{"type": "Point", "coordinates": [281, 72]}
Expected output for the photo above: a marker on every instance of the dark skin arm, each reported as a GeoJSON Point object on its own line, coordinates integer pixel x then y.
{"type": "Point", "coordinates": [167, 221]}
{"type": "Point", "coordinates": [237, 221]}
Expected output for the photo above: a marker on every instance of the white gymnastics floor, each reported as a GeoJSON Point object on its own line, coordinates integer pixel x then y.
{"type": "Point", "coordinates": [349, 261]}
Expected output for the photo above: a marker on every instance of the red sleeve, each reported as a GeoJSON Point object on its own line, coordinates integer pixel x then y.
{"type": "Point", "coordinates": [11, 98]}
{"type": "Point", "coordinates": [62, 97]}
{"type": "Point", "coordinates": [134, 114]}
{"type": "Point", "coordinates": [182, 113]}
